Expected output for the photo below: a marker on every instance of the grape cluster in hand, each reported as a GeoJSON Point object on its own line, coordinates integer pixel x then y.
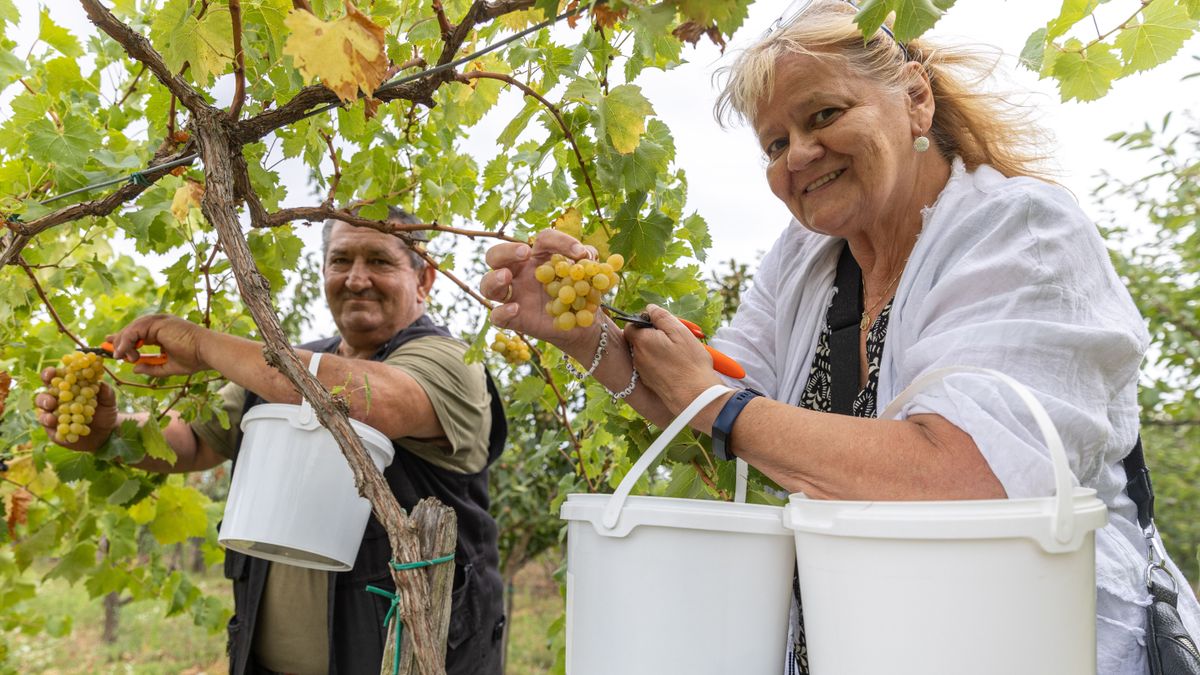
{"type": "Point", "coordinates": [76, 386]}
{"type": "Point", "coordinates": [576, 288]}
{"type": "Point", "coordinates": [511, 348]}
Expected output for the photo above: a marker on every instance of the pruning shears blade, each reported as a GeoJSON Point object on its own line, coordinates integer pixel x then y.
{"type": "Point", "coordinates": [106, 350]}
{"type": "Point", "coordinates": [722, 363]}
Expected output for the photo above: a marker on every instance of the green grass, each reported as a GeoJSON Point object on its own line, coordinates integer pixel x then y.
{"type": "Point", "coordinates": [150, 644]}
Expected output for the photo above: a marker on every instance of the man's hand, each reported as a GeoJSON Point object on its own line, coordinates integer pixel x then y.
{"type": "Point", "coordinates": [103, 421]}
{"type": "Point", "coordinates": [180, 340]}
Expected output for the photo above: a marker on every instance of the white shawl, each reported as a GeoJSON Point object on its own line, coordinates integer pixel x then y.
{"type": "Point", "coordinates": [1007, 274]}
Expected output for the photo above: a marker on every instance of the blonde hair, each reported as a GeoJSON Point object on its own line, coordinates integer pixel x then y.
{"type": "Point", "coordinates": [980, 126]}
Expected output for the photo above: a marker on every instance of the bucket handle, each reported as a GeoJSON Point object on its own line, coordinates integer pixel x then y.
{"type": "Point", "coordinates": [306, 415]}
{"type": "Point", "coordinates": [612, 512]}
{"type": "Point", "coordinates": [1063, 527]}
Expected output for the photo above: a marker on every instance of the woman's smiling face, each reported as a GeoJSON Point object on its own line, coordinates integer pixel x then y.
{"type": "Point", "coordinates": [838, 146]}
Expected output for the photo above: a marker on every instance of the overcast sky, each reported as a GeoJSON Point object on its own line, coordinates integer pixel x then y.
{"type": "Point", "coordinates": [725, 167]}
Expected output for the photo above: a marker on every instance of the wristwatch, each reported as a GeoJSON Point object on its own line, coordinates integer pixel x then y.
{"type": "Point", "coordinates": [723, 426]}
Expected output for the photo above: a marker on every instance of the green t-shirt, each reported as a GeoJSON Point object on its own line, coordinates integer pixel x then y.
{"type": "Point", "coordinates": [291, 633]}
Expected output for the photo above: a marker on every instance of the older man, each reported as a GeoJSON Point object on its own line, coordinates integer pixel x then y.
{"type": "Point", "coordinates": [447, 426]}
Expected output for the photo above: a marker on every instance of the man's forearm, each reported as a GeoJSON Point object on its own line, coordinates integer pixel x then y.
{"type": "Point", "coordinates": [241, 361]}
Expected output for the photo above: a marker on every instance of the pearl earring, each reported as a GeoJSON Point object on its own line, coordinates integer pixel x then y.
{"type": "Point", "coordinates": [920, 144]}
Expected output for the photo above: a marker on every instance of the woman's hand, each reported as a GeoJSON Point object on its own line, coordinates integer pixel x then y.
{"type": "Point", "coordinates": [180, 340]}
{"type": "Point", "coordinates": [523, 298]}
{"type": "Point", "coordinates": [103, 421]}
{"type": "Point", "coordinates": [670, 360]}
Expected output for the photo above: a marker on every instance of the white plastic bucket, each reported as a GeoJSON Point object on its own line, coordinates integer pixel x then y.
{"type": "Point", "coordinates": [983, 587]}
{"type": "Point", "coordinates": [293, 498]}
{"type": "Point", "coordinates": [661, 586]}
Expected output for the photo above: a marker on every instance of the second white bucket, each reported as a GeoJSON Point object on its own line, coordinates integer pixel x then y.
{"type": "Point", "coordinates": [292, 499]}
{"type": "Point", "coordinates": [663, 586]}
{"type": "Point", "coordinates": [988, 587]}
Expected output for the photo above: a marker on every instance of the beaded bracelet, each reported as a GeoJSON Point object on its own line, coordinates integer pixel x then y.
{"type": "Point", "coordinates": [575, 372]}
{"type": "Point", "coordinates": [632, 383]}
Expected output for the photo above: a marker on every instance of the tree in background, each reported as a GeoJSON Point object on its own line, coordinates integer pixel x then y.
{"type": "Point", "coordinates": [1161, 267]}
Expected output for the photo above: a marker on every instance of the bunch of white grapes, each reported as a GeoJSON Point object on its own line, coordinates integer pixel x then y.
{"type": "Point", "coordinates": [576, 288]}
{"type": "Point", "coordinates": [511, 348]}
{"type": "Point", "coordinates": [76, 386]}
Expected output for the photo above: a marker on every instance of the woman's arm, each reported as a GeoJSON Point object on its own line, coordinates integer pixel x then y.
{"type": "Point", "coordinates": [821, 454]}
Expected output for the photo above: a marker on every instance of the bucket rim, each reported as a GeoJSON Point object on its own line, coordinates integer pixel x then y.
{"type": "Point", "coordinates": [373, 438]}
{"type": "Point", "coordinates": [675, 512]}
{"type": "Point", "coordinates": [1027, 518]}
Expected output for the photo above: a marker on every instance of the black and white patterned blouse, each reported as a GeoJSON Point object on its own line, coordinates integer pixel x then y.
{"type": "Point", "coordinates": [817, 397]}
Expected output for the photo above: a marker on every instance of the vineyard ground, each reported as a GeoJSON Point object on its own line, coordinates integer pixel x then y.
{"type": "Point", "coordinates": [150, 644]}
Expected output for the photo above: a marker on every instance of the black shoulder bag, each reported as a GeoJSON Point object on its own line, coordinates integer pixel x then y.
{"type": "Point", "coordinates": [1170, 649]}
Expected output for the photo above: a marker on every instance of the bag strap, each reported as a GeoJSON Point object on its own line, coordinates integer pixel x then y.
{"type": "Point", "coordinates": [845, 335]}
{"type": "Point", "coordinates": [1139, 488]}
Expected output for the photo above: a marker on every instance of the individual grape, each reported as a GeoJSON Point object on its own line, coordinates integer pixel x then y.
{"type": "Point", "coordinates": [544, 273]}
{"type": "Point", "coordinates": [76, 384]}
{"type": "Point", "coordinates": [577, 287]}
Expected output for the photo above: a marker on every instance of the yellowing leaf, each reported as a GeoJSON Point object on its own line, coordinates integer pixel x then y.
{"type": "Point", "coordinates": [624, 112]}
{"type": "Point", "coordinates": [570, 222]}
{"type": "Point", "coordinates": [347, 55]}
{"type": "Point", "coordinates": [143, 511]}
{"type": "Point", "coordinates": [188, 195]}
{"type": "Point", "coordinates": [1159, 36]}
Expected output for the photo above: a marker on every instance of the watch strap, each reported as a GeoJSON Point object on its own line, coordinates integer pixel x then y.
{"type": "Point", "coordinates": [723, 426]}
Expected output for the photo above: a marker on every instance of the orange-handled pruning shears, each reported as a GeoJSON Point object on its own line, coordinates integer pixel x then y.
{"type": "Point", "coordinates": [721, 363]}
{"type": "Point", "coordinates": [106, 350]}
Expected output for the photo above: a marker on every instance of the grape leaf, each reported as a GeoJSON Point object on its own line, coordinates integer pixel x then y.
{"type": "Point", "coordinates": [347, 55]}
{"type": "Point", "coordinates": [695, 230]}
{"type": "Point", "coordinates": [155, 444]}
{"type": "Point", "coordinates": [179, 514]}
{"type": "Point", "coordinates": [69, 146]}
{"type": "Point", "coordinates": [9, 13]}
{"type": "Point", "coordinates": [206, 44]}
{"type": "Point", "coordinates": [913, 17]}
{"type": "Point", "coordinates": [1034, 51]}
{"type": "Point", "coordinates": [1086, 75]}
{"type": "Point", "coordinates": [1071, 13]}
{"type": "Point", "coordinates": [186, 197]}
{"type": "Point", "coordinates": [75, 564]}
{"type": "Point", "coordinates": [58, 37]}
{"type": "Point", "coordinates": [1156, 38]}
{"type": "Point", "coordinates": [642, 240]}
{"type": "Point", "coordinates": [624, 113]}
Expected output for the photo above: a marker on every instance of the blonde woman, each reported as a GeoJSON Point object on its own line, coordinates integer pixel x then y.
{"type": "Point", "coordinates": [887, 154]}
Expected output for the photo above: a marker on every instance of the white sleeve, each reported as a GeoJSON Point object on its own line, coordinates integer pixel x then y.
{"type": "Point", "coordinates": [750, 339]}
{"type": "Point", "coordinates": [1025, 286]}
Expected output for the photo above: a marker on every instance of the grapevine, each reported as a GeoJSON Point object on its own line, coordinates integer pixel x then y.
{"type": "Point", "coordinates": [577, 287]}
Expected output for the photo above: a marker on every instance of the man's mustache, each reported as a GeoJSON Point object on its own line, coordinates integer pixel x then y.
{"type": "Point", "coordinates": [360, 295]}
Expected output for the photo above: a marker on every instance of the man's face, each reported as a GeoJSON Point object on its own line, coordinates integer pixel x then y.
{"type": "Point", "coordinates": [370, 284]}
